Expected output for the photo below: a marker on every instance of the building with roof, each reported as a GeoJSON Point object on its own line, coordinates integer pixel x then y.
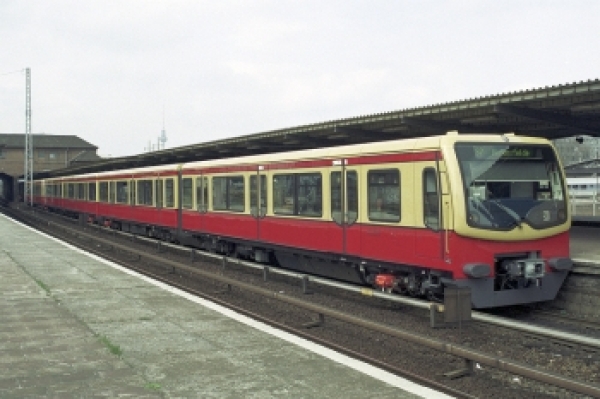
{"type": "Point", "coordinates": [50, 152]}
{"type": "Point", "coordinates": [570, 112]}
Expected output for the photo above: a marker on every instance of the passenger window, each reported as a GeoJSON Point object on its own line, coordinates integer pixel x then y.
{"type": "Point", "coordinates": [298, 194]}
{"type": "Point", "coordinates": [431, 199]}
{"type": "Point", "coordinates": [122, 194]}
{"type": "Point", "coordinates": [159, 193]}
{"type": "Point", "coordinates": [187, 200]}
{"type": "Point", "coordinates": [112, 192]}
{"type": "Point", "coordinates": [92, 191]}
{"type": "Point", "coordinates": [351, 196]}
{"type": "Point", "coordinates": [132, 190]}
{"type": "Point", "coordinates": [202, 193]}
{"type": "Point", "coordinates": [104, 191]}
{"type": "Point", "coordinates": [81, 191]}
{"type": "Point", "coordinates": [384, 195]}
{"type": "Point", "coordinates": [145, 192]}
{"type": "Point", "coordinates": [228, 193]}
{"type": "Point", "coordinates": [219, 193]}
{"type": "Point", "coordinates": [283, 194]}
{"type": "Point", "coordinates": [236, 194]}
{"type": "Point", "coordinates": [310, 195]}
{"type": "Point", "coordinates": [169, 193]}
{"type": "Point", "coordinates": [258, 196]}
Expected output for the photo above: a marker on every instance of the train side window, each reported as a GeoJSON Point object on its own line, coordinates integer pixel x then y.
{"type": "Point", "coordinates": [71, 190]}
{"type": "Point", "coordinates": [92, 191]}
{"type": "Point", "coordinates": [219, 190]}
{"type": "Point", "coordinates": [310, 194]}
{"type": "Point", "coordinates": [122, 192]}
{"type": "Point", "coordinates": [159, 193]}
{"type": "Point", "coordinates": [145, 192]}
{"type": "Point", "coordinates": [351, 196]}
{"type": "Point", "coordinates": [82, 191]}
{"type": "Point", "coordinates": [431, 200]}
{"type": "Point", "coordinates": [384, 195]}
{"type": "Point", "coordinates": [236, 193]}
{"type": "Point", "coordinates": [298, 194]}
{"type": "Point", "coordinates": [258, 196]}
{"type": "Point", "coordinates": [103, 188]}
{"type": "Point", "coordinates": [169, 193]}
{"type": "Point", "coordinates": [132, 191]}
{"type": "Point", "coordinates": [202, 194]}
{"type": "Point", "coordinates": [112, 192]}
{"type": "Point", "coordinates": [187, 198]}
{"type": "Point", "coordinates": [228, 193]}
{"type": "Point", "coordinates": [283, 194]}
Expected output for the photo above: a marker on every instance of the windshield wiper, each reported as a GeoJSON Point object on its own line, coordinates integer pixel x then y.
{"type": "Point", "coordinates": [516, 219]}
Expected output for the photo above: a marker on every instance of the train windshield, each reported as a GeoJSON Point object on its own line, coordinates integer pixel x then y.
{"type": "Point", "coordinates": [508, 185]}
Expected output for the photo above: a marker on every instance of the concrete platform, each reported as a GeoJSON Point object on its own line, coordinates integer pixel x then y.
{"type": "Point", "coordinates": [71, 325]}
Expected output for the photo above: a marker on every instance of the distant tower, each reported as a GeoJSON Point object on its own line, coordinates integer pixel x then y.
{"type": "Point", "coordinates": [163, 133]}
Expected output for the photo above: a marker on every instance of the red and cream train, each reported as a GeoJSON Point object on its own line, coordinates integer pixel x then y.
{"type": "Point", "coordinates": [413, 216]}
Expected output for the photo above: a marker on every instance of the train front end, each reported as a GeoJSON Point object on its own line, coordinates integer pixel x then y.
{"type": "Point", "coordinates": [511, 219]}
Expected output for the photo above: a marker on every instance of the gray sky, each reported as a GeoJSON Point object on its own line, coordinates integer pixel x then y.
{"type": "Point", "coordinates": [104, 70]}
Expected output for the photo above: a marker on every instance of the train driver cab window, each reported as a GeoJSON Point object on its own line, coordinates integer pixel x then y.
{"type": "Point", "coordinates": [187, 191]}
{"type": "Point", "coordinates": [384, 195]}
{"type": "Point", "coordinates": [431, 201]}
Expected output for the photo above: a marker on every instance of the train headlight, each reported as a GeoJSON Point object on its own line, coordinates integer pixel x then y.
{"type": "Point", "coordinates": [533, 269]}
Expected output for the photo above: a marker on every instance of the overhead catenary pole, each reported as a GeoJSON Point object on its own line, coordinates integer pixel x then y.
{"type": "Point", "coordinates": [28, 175]}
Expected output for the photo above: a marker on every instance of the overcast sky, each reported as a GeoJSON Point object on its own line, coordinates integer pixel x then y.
{"type": "Point", "coordinates": [105, 70]}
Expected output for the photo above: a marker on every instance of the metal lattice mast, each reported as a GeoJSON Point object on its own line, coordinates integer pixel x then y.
{"type": "Point", "coordinates": [28, 175]}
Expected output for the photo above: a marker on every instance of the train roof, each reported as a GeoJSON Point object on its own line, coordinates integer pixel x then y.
{"type": "Point", "coordinates": [402, 145]}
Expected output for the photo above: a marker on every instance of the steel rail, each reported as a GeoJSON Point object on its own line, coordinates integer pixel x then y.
{"type": "Point", "coordinates": [451, 349]}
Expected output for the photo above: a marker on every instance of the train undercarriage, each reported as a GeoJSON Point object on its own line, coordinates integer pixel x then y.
{"type": "Point", "coordinates": [515, 275]}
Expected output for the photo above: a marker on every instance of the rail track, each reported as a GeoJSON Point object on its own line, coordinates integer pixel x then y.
{"type": "Point", "coordinates": [373, 330]}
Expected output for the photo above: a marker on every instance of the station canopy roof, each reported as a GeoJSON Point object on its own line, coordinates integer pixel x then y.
{"type": "Point", "coordinates": [551, 112]}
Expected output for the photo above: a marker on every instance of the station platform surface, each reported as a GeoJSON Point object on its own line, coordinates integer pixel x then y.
{"type": "Point", "coordinates": [73, 325]}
